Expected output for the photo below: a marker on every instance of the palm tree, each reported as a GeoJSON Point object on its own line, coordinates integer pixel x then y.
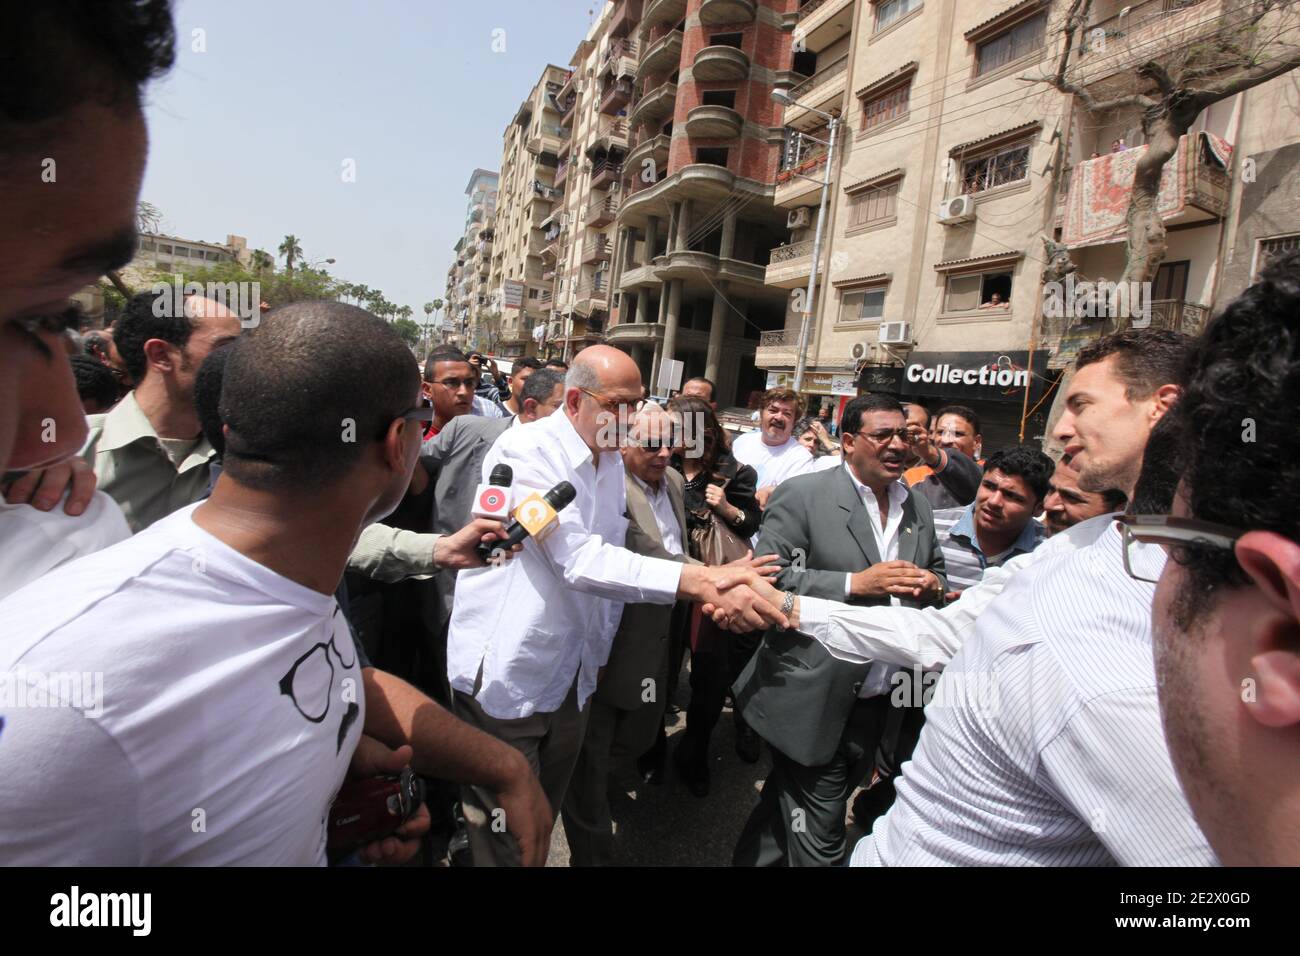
{"type": "Point", "coordinates": [404, 312]}
{"type": "Point", "coordinates": [291, 250]}
{"type": "Point", "coordinates": [148, 218]}
{"type": "Point", "coordinates": [262, 261]}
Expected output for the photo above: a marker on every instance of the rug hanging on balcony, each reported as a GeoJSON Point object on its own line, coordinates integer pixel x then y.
{"type": "Point", "coordinates": [1097, 207]}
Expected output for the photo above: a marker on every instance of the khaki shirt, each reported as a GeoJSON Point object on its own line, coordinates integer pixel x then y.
{"type": "Point", "coordinates": [135, 469]}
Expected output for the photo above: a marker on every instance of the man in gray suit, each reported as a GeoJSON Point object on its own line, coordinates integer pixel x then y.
{"type": "Point", "coordinates": [856, 534]}
{"type": "Point", "coordinates": [628, 706]}
{"type": "Point", "coordinates": [453, 459]}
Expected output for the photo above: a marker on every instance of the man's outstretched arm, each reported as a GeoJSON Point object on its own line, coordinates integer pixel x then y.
{"type": "Point", "coordinates": [450, 749]}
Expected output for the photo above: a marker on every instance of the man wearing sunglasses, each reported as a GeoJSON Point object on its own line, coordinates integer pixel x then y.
{"type": "Point", "coordinates": [1227, 608]}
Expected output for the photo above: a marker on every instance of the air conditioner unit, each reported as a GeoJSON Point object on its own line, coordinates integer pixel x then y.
{"type": "Point", "coordinates": [860, 351]}
{"type": "Point", "coordinates": [797, 218]}
{"type": "Point", "coordinates": [957, 209]}
{"type": "Point", "coordinates": [895, 333]}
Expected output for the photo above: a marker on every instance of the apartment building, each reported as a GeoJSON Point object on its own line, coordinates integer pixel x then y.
{"type": "Point", "coordinates": [696, 221]}
{"type": "Point", "coordinates": [521, 291]}
{"type": "Point", "coordinates": [951, 171]}
{"type": "Point", "coordinates": [581, 240]}
{"type": "Point", "coordinates": [468, 301]}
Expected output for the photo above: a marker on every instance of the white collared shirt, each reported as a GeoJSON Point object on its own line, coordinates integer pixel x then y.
{"type": "Point", "coordinates": [877, 680]}
{"type": "Point", "coordinates": [662, 506]}
{"type": "Point", "coordinates": [1043, 743]}
{"type": "Point", "coordinates": [548, 616]}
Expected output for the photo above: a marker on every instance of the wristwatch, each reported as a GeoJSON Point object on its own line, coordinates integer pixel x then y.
{"type": "Point", "coordinates": [740, 517]}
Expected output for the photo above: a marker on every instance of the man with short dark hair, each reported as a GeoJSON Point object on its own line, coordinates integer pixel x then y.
{"type": "Point", "coordinates": [773, 451]}
{"type": "Point", "coordinates": [232, 613]}
{"type": "Point", "coordinates": [1067, 504]}
{"type": "Point", "coordinates": [557, 364]}
{"type": "Point", "coordinates": [1000, 524]}
{"type": "Point", "coordinates": [148, 452]}
{"type": "Point", "coordinates": [449, 384]}
{"type": "Point", "coordinates": [1227, 607]}
{"type": "Point", "coordinates": [519, 373]}
{"type": "Point", "coordinates": [701, 387]}
{"type": "Point", "coordinates": [858, 535]}
{"type": "Point", "coordinates": [958, 427]}
{"type": "Point", "coordinates": [96, 384]}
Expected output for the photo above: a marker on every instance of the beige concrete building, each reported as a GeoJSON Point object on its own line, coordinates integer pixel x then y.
{"type": "Point", "coordinates": [521, 292]}
{"type": "Point", "coordinates": [952, 171]}
{"type": "Point", "coordinates": [467, 298]}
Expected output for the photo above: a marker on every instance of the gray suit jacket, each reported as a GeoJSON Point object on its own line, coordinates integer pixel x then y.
{"type": "Point", "coordinates": [640, 648]}
{"type": "Point", "coordinates": [454, 459]}
{"type": "Point", "coordinates": [793, 692]}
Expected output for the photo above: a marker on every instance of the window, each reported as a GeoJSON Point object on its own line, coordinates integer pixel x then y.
{"type": "Point", "coordinates": [986, 290]}
{"type": "Point", "coordinates": [719, 98]}
{"type": "Point", "coordinates": [1171, 281]}
{"type": "Point", "coordinates": [1271, 248]}
{"type": "Point", "coordinates": [865, 306]}
{"type": "Point", "coordinates": [726, 39]}
{"type": "Point", "coordinates": [532, 293]}
{"type": "Point", "coordinates": [995, 169]}
{"type": "Point", "coordinates": [1021, 40]}
{"type": "Point", "coordinates": [714, 156]}
{"type": "Point", "coordinates": [886, 107]}
{"type": "Point", "coordinates": [891, 11]}
{"type": "Point", "coordinates": [874, 205]}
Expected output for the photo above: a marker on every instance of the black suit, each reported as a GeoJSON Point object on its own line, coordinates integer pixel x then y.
{"type": "Point", "coordinates": [799, 698]}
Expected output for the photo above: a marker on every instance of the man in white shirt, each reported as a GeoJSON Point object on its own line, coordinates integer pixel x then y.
{"type": "Point", "coordinates": [199, 679]}
{"type": "Point", "coordinates": [772, 450]}
{"type": "Point", "coordinates": [526, 641]}
{"type": "Point", "coordinates": [628, 706]}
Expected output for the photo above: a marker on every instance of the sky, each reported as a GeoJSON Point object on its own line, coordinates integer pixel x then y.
{"type": "Point", "coordinates": [250, 134]}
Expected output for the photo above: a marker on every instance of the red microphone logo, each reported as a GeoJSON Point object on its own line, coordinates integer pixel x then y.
{"type": "Point", "coordinates": [492, 501]}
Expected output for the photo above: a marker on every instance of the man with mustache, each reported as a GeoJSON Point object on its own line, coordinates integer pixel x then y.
{"type": "Point", "coordinates": [855, 534]}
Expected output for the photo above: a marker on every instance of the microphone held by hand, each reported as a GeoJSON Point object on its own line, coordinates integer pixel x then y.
{"type": "Point", "coordinates": [534, 517]}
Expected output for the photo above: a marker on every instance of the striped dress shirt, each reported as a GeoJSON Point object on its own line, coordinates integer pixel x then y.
{"type": "Point", "coordinates": [1043, 743]}
{"type": "Point", "coordinates": [963, 560]}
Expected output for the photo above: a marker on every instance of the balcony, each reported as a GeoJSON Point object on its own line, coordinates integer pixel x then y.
{"type": "Point", "coordinates": [716, 12]}
{"type": "Point", "coordinates": [621, 57]}
{"type": "Point", "coordinates": [793, 189]}
{"type": "Point", "coordinates": [720, 63]}
{"type": "Point", "coordinates": [823, 22]}
{"type": "Point", "coordinates": [601, 212]}
{"type": "Point", "coordinates": [823, 90]}
{"type": "Point", "coordinates": [663, 11]}
{"type": "Point", "coordinates": [777, 349]}
{"type": "Point", "coordinates": [650, 147]}
{"type": "Point", "coordinates": [596, 250]}
{"type": "Point", "coordinates": [562, 172]}
{"type": "Point", "coordinates": [789, 265]}
{"type": "Point", "coordinates": [1194, 187]}
{"type": "Point", "coordinates": [661, 56]}
{"type": "Point", "coordinates": [654, 106]}
{"type": "Point", "coordinates": [714, 122]}
{"type": "Point", "coordinates": [545, 138]}
{"type": "Point", "coordinates": [1177, 316]}
{"type": "Point", "coordinates": [615, 95]}
{"type": "Point", "coordinates": [566, 106]}
{"type": "Point", "coordinates": [610, 134]}
{"type": "Point", "coordinates": [1139, 32]}
{"type": "Point", "coordinates": [626, 15]}
{"type": "Point", "coordinates": [605, 173]}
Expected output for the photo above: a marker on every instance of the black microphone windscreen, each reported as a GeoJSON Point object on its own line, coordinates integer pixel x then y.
{"type": "Point", "coordinates": [561, 495]}
{"type": "Point", "coordinates": [502, 475]}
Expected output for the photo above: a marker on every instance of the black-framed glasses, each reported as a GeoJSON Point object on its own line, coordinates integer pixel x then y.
{"type": "Point", "coordinates": [611, 405]}
{"type": "Point", "coordinates": [1169, 531]}
{"type": "Point", "coordinates": [659, 443]}
{"type": "Point", "coordinates": [455, 383]}
{"type": "Point", "coordinates": [883, 436]}
{"type": "Point", "coordinates": [309, 683]}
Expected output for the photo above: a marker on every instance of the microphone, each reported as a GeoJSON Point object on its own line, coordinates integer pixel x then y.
{"type": "Point", "coordinates": [535, 516]}
{"type": "Point", "coordinates": [492, 500]}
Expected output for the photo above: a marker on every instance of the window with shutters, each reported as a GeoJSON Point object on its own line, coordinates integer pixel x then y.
{"type": "Point", "coordinates": [886, 107]}
{"type": "Point", "coordinates": [874, 206]}
{"type": "Point", "coordinates": [889, 12]}
{"type": "Point", "coordinates": [1021, 40]}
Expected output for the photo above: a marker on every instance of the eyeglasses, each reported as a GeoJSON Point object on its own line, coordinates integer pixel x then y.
{"type": "Point", "coordinates": [421, 413]}
{"type": "Point", "coordinates": [307, 687]}
{"type": "Point", "coordinates": [611, 405]}
{"type": "Point", "coordinates": [883, 436]}
{"type": "Point", "coordinates": [455, 383]}
{"type": "Point", "coordinates": [1168, 531]}
{"type": "Point", "coordinates": [658, 444]}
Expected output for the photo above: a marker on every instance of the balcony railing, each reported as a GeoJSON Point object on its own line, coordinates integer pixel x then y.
{"type": "Point", "coordinates": [626, 46]}
{"type": "Point", "coordinates": [1178, 316]}
{"type": "Point", "coordinates": [829, 72]}
{"type": "Point", "coordinates": [808, 8]}
{"type": "Point", "coordinates": [791, 251]}
{"type": "Point", "coordinates": [561, 171]}
{"type": "Point", "coordinates": [547, 192]}
{"type": "Point", "coordinates": [1134, 16]}
{"type": "Point", "coordinates": [595, 249]}
{"type": "Point", "coordinates": [602, 211]}
{"type": "Point", "coordinates": [605, 172]}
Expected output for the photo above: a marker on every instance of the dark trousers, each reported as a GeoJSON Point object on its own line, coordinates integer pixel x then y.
{"type": "Point", "coordinates": [799, 820]}
{"type": "Point", "coordinates": [715, 665]}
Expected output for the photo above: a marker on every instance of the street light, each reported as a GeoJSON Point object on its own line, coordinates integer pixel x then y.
{"type": "Point", "coordinates": [833, 125]}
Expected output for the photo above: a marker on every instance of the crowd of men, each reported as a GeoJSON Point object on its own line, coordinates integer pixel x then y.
{"type": "Point", "coordinates": [242, 562]}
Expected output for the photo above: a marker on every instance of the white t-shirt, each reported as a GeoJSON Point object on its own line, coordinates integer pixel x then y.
{"type": "Point", "coordinates": [33, 543]}
{"type": "Point", "coordinates": [776, 463]}
{"type": "Point", "coordinates": [168, 701]}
